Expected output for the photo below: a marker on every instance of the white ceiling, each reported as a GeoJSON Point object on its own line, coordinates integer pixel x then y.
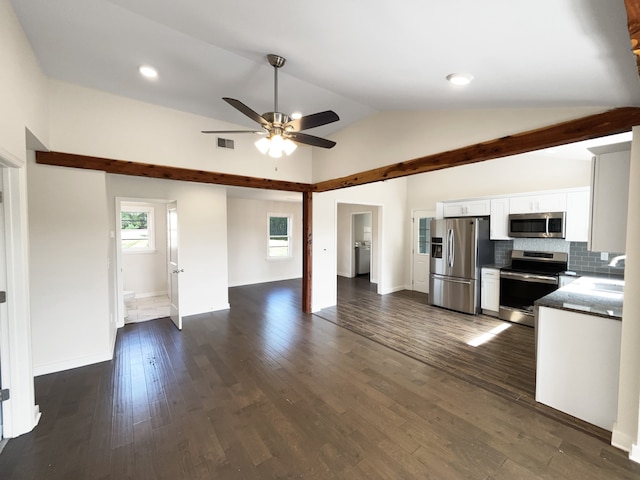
{"type": "Point", "coordinates": [355, 57]}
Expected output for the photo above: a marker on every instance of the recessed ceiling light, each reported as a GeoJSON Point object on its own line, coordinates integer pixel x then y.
{"type": "Point", "coordinates": [460, 78]}
{"type": "Point", "coordinates": [296, 115]}
{"type": "Point", "coordinates": [148, 71]}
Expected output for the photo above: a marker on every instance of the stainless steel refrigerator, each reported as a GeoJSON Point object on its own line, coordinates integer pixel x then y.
{"type": "Point", "coordinates": [459, 247]}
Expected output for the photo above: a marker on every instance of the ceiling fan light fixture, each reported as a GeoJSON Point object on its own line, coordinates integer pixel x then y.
{"type": "Point", "coordinates": [296, 115]}
{"type": "Point", "coordinates": [460, 78]}
{"type": "Point", "coordinates": [275, 146]}
{"type": "Point", "coordinates": [263, 145]}
{"type": "Point", "coordinates": [289, 146]}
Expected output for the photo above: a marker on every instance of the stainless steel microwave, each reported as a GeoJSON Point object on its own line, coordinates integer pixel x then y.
{"type": "Point", "coordinates": [537, 225]}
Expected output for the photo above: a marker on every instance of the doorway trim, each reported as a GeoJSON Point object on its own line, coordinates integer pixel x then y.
{"type": "Point", "coordinates": [20, 413]}
{"type": "Point", "coordinates": [119, 276]}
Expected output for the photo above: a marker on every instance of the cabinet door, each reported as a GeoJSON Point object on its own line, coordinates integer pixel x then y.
{"type": "Point", "coordinates": [609, 202]}
{"type": "Point", "coordinates": [472, 208]}
{"type": "Point", "coordinates": [490, 289]}
{"type": "Point", "coordinates": [552, 202]}
{"type": "Point", "coordinates": [499, 220]}
{"type": "Point", "coordinates": [453, 210]}
{"type": "Point", "coordinates": [577, 226]}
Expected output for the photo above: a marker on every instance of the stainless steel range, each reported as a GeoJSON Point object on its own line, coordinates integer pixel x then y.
{"type": "Point", "coordinates": [531, 276]}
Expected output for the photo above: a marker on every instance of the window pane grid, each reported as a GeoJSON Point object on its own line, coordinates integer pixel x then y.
{"type": "Point", "coordinates": [423, 235]}
{"type": "Point", "coordinates": [136, 228]}
{"type": "Point", "coordinates": [279, 238]}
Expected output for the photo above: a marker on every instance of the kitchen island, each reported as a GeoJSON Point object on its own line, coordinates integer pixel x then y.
{"type": "Point", "coordinates": [578, 331]}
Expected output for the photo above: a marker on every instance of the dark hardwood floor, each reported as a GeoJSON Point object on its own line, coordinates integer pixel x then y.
{"type": "Point", "coordinates": [264, 391]}
{"type": "Point", "coordinates": [490, 353]}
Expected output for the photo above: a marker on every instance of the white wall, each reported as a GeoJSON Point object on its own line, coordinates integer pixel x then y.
{"type": "Point", "coordinates": [247, 241]}
{"type": "Point", "coordinates": [516, 174]}
{"type": "Point", "coordinates": [626, 430]}
{"type": "Point", "coordinates": [23, 87]}
{"type": "Point", "coordinates": [72, 322]}
{"type": "Point", "coordinates": [202, 236]}
{"type": "Point", "coordinates": [391, 137]}
{"type": "Point", "coordinates": [23, 99]}
{"type": "Point", "coordinates": [390, 197]}
{"type": "Point", "coordinates": [90, 122]}
{"type": "Point", "coordinates": [145, 273]}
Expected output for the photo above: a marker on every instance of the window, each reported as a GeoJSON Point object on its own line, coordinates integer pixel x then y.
{"type": "Point", "coordinates": [279, 241]}
{"type": "Point", "coordinates": [136, 228]}
{"type": "Point", "coordinates": [423, 235]}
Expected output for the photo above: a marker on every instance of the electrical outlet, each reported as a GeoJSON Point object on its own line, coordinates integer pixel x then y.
{"type": "Point", "coordinates": [604, 256]}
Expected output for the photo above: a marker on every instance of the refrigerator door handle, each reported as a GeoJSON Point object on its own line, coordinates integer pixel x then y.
{"type": "Point", "coordinates": [451, 279]}
{"type": "Point", "coordinates": [450, 248]}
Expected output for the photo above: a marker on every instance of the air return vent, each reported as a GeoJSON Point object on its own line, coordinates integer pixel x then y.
{"type": "Point", "coordinates": [225, 143]}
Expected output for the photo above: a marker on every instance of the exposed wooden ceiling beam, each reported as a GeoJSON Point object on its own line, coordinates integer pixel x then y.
{"type": "Point", "coordinates": [608, 123]}
{"type": "Point", "coordinates": [633, 24]}
{"type": "Point", "coordinates": [169, 173]}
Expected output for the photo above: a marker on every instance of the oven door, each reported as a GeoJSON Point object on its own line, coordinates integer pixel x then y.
{"type": "Point", "coordinates": [518, 291]}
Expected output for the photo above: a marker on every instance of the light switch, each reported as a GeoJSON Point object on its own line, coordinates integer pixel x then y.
{"type": "Point", "coordinates": [604, 256]}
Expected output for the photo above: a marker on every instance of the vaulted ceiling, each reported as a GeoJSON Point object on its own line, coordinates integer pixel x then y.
{"type": "Point", "coordinates": [354, 57]}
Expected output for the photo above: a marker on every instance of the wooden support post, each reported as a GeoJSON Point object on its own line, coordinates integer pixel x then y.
{"type": "Point", "coordinates": [307, 220]}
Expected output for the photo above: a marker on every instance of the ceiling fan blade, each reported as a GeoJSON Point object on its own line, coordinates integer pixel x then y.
{"type": "Point", "coordinates": [241, 107]}
{"type": "Point", "coordinates": [257, 132]}
{"type": "Point", "coordinates": [314, 120]}
{"type": "Point", "coordinates": [311, 140]}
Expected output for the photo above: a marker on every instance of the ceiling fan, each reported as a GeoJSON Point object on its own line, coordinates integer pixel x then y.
{"type": "Point", "coordinates": [281, 130]}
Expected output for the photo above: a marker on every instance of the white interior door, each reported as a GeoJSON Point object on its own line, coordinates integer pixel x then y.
{"type": "Point", "coordinates": [421, 250]}
{"type": "Point", "coordinates": [173, 269]}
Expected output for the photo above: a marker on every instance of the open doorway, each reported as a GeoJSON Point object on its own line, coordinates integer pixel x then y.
{"type": "Point", "coordinates": [142, 260]}
{"type": "Point", "coordinates": [357, 235]}
{"type": "Point", "coordinates": [361, 226]}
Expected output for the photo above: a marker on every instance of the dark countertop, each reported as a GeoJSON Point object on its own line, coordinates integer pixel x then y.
{"type": "Point", "coordinates": [591, 294]}
{"type": "Point", "coordinates": [493, 265]}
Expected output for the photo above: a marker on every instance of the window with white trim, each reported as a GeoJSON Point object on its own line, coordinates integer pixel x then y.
{"type": "Point", "coordinates": [278, 236]}
{"type": "Point", "coordinates": [137, 229]}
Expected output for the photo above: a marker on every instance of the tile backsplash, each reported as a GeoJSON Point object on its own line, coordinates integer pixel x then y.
{"type": "Point", "coordinates": [580, 259]}
{"type": "Point", "coordinates": [502, 251]}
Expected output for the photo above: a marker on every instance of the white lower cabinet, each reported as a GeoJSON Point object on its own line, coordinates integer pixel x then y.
{"type": "Point", "coordinates": [578, 362]}
{"type": "Point", "coordinates": [490, 291]}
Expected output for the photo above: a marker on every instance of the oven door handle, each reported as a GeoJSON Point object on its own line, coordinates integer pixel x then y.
{"type": "Point", "coordinates": [530, 277]}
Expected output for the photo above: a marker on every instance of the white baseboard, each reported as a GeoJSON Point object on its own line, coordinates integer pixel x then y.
{"type": "Point", "coordinates": [151, 294]}
{"type": "Point", "coordinates": [71, 363]}
{"type": "Point", "coordinates": [621, 440]}
{"type": "Point", "coordinates": [345, 274]}
{"type": "Point", "coordinates": [634, 455]}
{"type": "Point", "coordinates": [393, 289]}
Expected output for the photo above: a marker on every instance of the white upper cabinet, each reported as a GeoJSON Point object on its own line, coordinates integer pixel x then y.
{"type": "Point", "coordinates": [549, 202]}
{"type": "Point", "coordinates": [499, 221]}
{"type": "Point", "coordinates": [609, 197]}
{"type": "Point", "coordinates": [577, 220]}
{"type": "Point", "coordinates": [467, 208]}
